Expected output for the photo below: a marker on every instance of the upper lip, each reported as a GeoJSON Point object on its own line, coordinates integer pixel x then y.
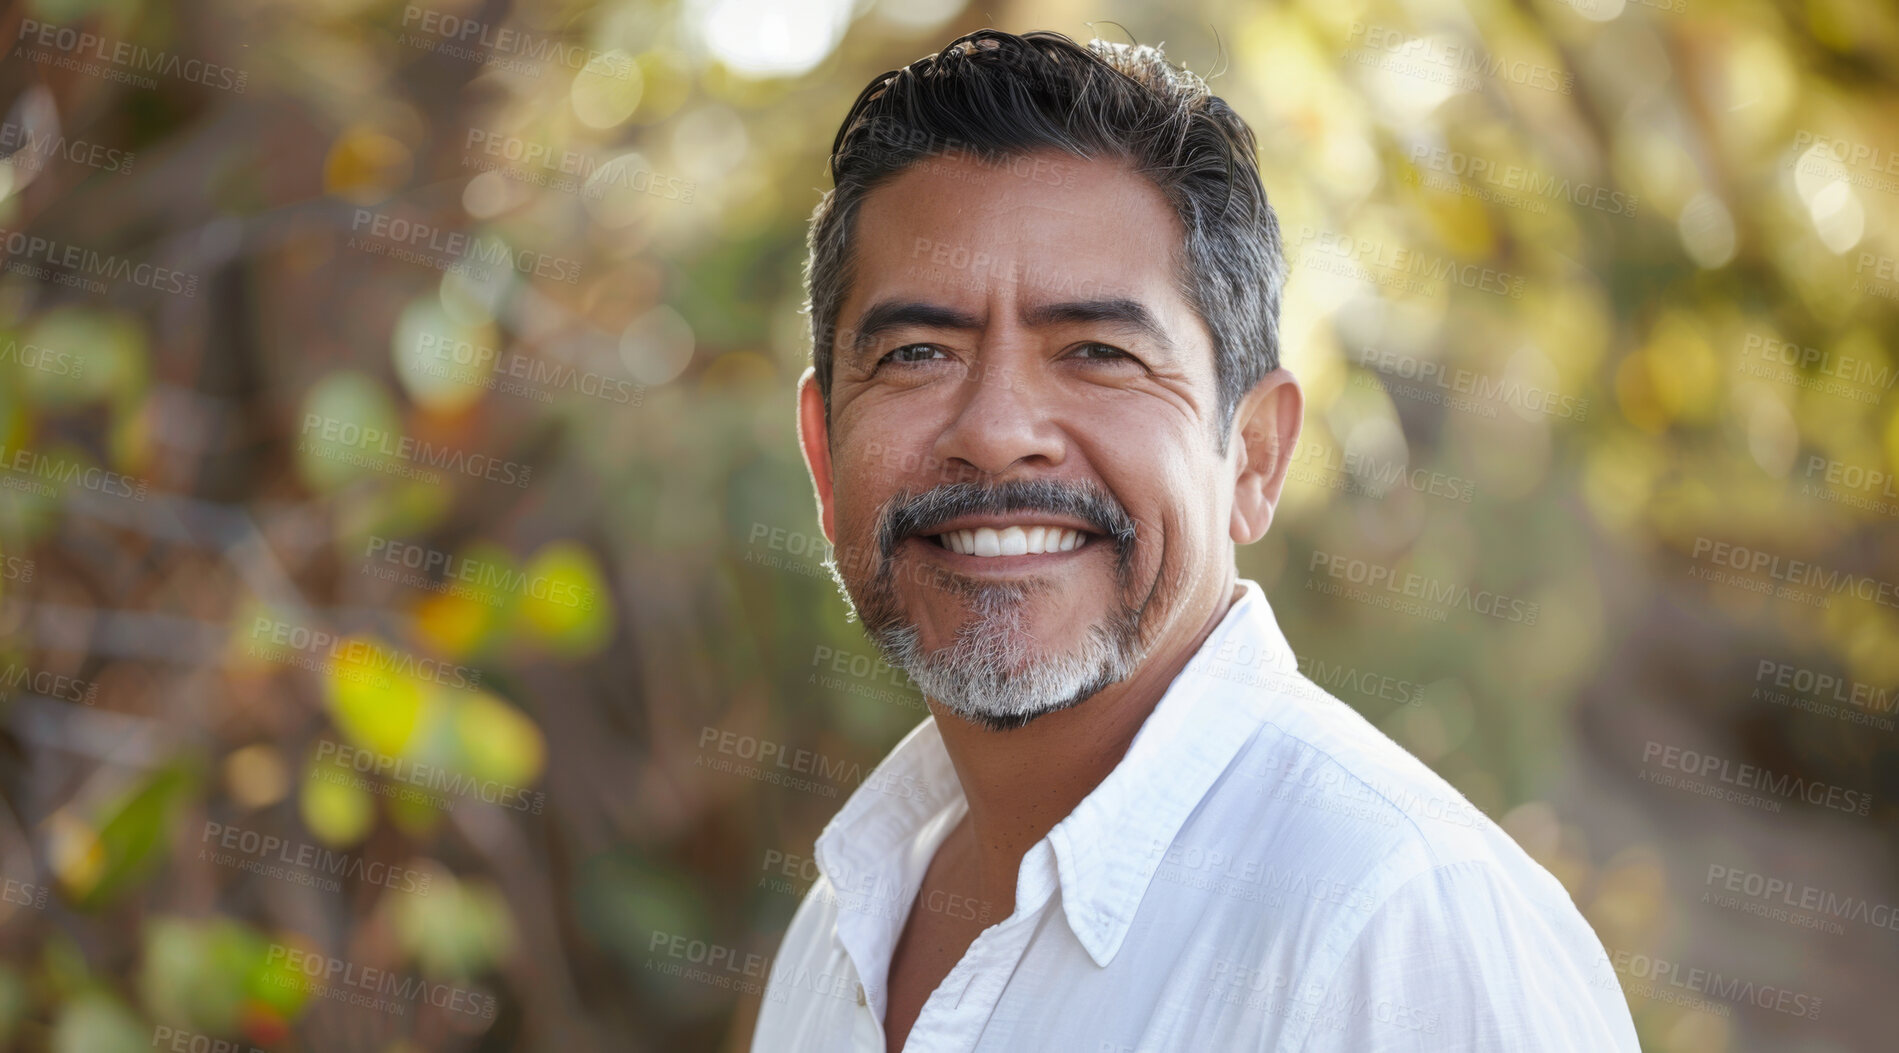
{"type": "Point", "coordinates": [1021, 519]}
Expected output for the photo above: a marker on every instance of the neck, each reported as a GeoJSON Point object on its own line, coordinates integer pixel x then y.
{"type": "Point", "coordinates": [1020, 783]}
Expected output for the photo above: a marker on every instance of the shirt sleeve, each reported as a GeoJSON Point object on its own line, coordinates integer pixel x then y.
{"type": "Point", "coordinates": [1459, 957]}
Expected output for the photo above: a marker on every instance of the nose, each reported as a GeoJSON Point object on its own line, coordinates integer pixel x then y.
{"type": "Point", "coordinates": [1003, 421]}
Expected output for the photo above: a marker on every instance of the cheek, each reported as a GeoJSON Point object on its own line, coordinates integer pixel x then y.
{"type": "Point", "coordinates": [857, 504]}
{"type": "Point", "coordinates": [1176, 507]}
{"type": "Point", "coordinates": [858, 488]}
{"type": "Point", "coordinates": [866, 481]}
{"type": "Point", "coordinates": [884, 450]}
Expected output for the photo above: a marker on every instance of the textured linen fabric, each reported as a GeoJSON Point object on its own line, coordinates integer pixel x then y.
{"type": "Point", "coordinates": [1264, 870]}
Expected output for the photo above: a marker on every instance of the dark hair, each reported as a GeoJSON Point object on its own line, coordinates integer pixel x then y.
{"type": "Point", "coordinates": [999, 96]}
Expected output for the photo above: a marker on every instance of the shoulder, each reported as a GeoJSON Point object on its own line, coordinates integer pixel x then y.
{"type": "Point", "coordinates": [1320, 776]}
{"type": "Point", "coordinates": [1444, 905]}
{"type": "Point", "coordinates": [1460, 957]}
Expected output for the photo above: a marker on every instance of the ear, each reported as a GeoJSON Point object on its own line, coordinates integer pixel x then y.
{"type": "Point", "coordinates": [1266, 427]}
{"type": "Point", "coordinates": [814, 438]}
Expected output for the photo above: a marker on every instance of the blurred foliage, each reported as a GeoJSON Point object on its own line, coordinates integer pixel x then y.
{"type": "Point", "coordinates": [585, 443]}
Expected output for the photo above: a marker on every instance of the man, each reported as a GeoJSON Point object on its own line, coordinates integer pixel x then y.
{"type": "Point", "coordinates": [1045, 404]}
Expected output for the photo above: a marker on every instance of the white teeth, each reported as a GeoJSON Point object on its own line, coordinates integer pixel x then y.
{"type": "Point", "coordinates": [1012, 540]}
{"type": "Point", "coordinates": [987, 542]}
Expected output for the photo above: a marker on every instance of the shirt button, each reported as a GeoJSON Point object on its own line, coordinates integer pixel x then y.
{"type": "Point", "coordinates": [861, 1000]}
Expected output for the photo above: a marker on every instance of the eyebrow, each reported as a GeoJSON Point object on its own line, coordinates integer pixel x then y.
{"type": "Point", "coordinates": [886, 315]}
{"type": "Point", "coordinates": [1119, 312]}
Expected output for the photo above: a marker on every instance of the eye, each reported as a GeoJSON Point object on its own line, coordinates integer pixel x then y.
{"type": "Point", "coordinates": [912, 353]}
{"type": "Point", "coordinates": [1100, 352]}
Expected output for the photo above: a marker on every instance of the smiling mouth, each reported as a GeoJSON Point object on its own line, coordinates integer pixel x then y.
{"type": "Point", "coordinates": [1011, 540]}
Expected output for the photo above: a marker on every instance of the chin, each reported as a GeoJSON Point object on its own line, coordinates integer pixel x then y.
{"type": "Point", "coordinates": [996, 677]}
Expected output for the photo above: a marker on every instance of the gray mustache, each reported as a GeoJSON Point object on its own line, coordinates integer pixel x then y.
{"type": "Point", "coordinates": [907, 515]}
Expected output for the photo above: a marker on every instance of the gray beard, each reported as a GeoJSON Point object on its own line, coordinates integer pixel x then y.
{"type": "Point", "coordinates": [993, 674]}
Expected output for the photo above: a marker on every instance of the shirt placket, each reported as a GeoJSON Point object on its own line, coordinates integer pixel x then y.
{"type": "Point", "coordinates": [867, 1035]}
{"type": "Point", "coordinates": [869, 925]}
{"type": "Point", "coordinates": [953, 1019]}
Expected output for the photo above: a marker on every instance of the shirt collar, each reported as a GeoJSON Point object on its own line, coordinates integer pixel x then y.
{"type": "Point", "coordinates": [1108, 848]}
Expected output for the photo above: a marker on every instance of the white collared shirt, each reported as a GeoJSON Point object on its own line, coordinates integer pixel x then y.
{"type": "Point", "coordinates": [1264, 870]}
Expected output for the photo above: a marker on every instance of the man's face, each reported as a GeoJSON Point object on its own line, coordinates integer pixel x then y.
{"type": "Point", "coordinates": [1026, 488]}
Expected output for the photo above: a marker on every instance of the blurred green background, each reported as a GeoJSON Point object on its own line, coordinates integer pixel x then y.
{"type": "Point", "coordinates": [414, 607]}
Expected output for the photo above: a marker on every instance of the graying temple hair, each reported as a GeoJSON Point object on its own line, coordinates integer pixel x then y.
{"type": "Point", "coordinates": [998, 95]}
